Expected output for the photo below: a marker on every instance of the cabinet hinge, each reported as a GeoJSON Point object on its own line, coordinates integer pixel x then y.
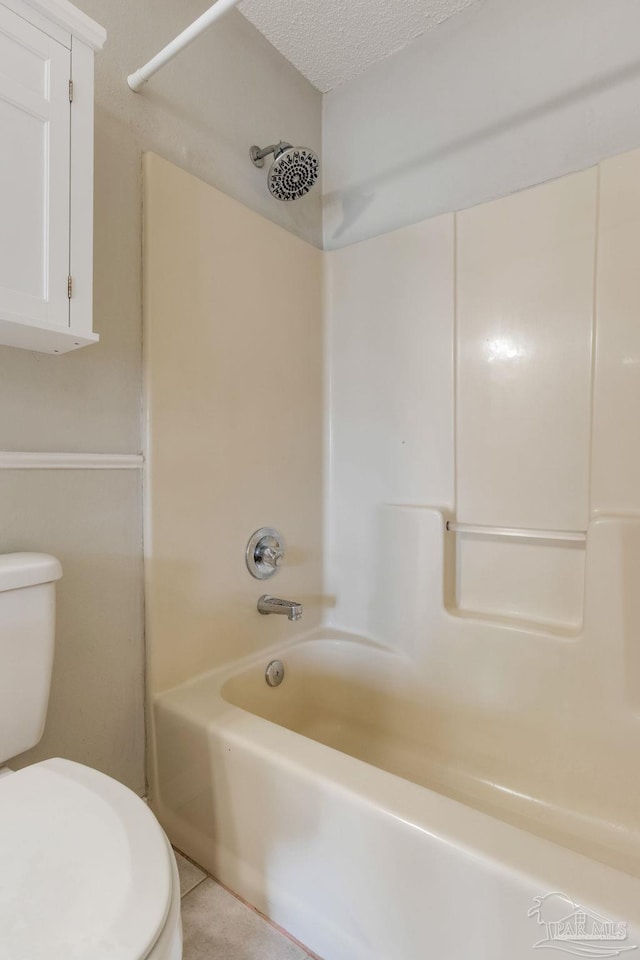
{"type": "Point", "coordinates": [69, 287]}
{"type": "Point", "coordinates": [70, 91]}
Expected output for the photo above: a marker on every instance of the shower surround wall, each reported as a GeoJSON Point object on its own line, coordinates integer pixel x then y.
{"type": "Point", "coordinates": [481, 368]}
{"type": "Point", "coordinates": [484, 367]}
{"type": "Point", "coordinates": [233, 360]}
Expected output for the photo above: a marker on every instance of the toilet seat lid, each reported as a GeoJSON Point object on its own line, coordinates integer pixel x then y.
{"type": "Point", "coordinates": [85, 868]}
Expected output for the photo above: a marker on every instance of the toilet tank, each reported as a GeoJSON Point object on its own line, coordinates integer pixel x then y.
{"type": "Point", "coordinates": [27, 632]}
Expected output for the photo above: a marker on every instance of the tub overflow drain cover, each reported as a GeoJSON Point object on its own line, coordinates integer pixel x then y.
{"type": "Point", "coordinates": [274, 674]}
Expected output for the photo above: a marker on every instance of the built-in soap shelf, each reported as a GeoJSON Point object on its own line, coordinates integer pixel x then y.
{"type": "Point", "coordinates": [521, 533]}
{"type": "Point", "coordinates": [542, 628]}
{"type": "Point", "coordinates": [529, 578]}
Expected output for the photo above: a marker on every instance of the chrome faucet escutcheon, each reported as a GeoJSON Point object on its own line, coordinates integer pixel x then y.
{"type": "Point", "coordinates": [289, 608]}
{"type": "Point", "coordinates": [265, 553]}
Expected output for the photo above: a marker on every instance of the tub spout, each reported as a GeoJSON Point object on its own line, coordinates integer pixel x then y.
{"type": "Point", "coordinates": [289, 608]}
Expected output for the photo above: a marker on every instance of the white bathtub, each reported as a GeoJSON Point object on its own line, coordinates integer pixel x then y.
{"type": "Point", "coordinates": [324, 802]}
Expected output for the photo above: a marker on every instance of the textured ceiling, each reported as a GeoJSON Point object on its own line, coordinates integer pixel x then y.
{"type": "Point", "coordinates": [331, 41]}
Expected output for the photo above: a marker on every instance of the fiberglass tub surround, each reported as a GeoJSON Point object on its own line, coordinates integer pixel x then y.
{"type": "Point", "coordinates": [475, 750]}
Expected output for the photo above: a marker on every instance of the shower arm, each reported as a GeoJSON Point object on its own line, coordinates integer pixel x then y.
{"type": "Point", "coordinates": [258, 154]}
{"type": "Point", "coordinates": [138, 78]}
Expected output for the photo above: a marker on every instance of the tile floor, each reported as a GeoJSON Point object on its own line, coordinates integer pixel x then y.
{"type": "Point", "coordinates": [218, 926]}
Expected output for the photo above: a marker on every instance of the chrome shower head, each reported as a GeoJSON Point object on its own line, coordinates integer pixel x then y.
{"type": "Point", "coordinates": [293, 172]}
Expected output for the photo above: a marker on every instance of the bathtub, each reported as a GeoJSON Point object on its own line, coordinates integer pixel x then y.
{"type": "Point", "coordinates": [324, 803]}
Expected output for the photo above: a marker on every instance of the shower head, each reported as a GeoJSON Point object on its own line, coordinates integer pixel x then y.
{"type": "Point", "coordinates": [293, 172]}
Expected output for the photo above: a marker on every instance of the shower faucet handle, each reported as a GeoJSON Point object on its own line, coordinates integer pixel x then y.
{"type": "Point", "coordinates": [273, 555]}
{"type": "Point", "coordinates": [265, 553]}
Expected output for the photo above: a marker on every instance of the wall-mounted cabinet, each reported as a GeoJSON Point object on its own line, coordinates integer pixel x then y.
{"type": "Point", "coordinates": [46, 174]}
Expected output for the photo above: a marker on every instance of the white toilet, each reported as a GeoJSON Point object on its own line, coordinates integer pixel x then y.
{"type": "Point", "coordinates": [86, 871]}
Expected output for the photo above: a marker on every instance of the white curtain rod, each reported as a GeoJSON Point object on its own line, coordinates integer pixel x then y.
{"type": "Point", "coordinates": [138, 79]}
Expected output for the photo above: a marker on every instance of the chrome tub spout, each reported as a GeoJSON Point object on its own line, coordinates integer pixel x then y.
{"type": "Point", "coordinates": [289, 608]}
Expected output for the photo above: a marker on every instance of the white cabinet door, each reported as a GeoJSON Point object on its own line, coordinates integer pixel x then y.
{"type": "Point", "coordinates": [34, 175]}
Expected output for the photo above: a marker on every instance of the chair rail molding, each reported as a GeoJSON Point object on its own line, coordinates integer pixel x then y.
{"type": "Point", "coordinates": [11, 460]}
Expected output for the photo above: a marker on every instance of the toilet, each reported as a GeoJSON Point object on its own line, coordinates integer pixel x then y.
{"type": "Point", "coordinates": [86, 871]}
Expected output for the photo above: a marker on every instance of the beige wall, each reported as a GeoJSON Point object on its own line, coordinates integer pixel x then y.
{"type": "Point", "coordinates": [233, 359]}
{"type": "Point", "coordinates": [90, 520]}
{"type": "Point", "coordinates": [204, 111]}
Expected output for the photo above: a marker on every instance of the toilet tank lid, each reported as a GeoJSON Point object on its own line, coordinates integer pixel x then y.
{"type": "Point", "coordinates": [27, 569]}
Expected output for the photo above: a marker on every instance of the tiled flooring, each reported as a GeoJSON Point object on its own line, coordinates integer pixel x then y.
{"type": "Point", "coordinates": [218, 926]}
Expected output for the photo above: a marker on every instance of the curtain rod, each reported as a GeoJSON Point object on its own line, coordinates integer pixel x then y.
{"type": "Point", "coordinates": [138, 79]}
